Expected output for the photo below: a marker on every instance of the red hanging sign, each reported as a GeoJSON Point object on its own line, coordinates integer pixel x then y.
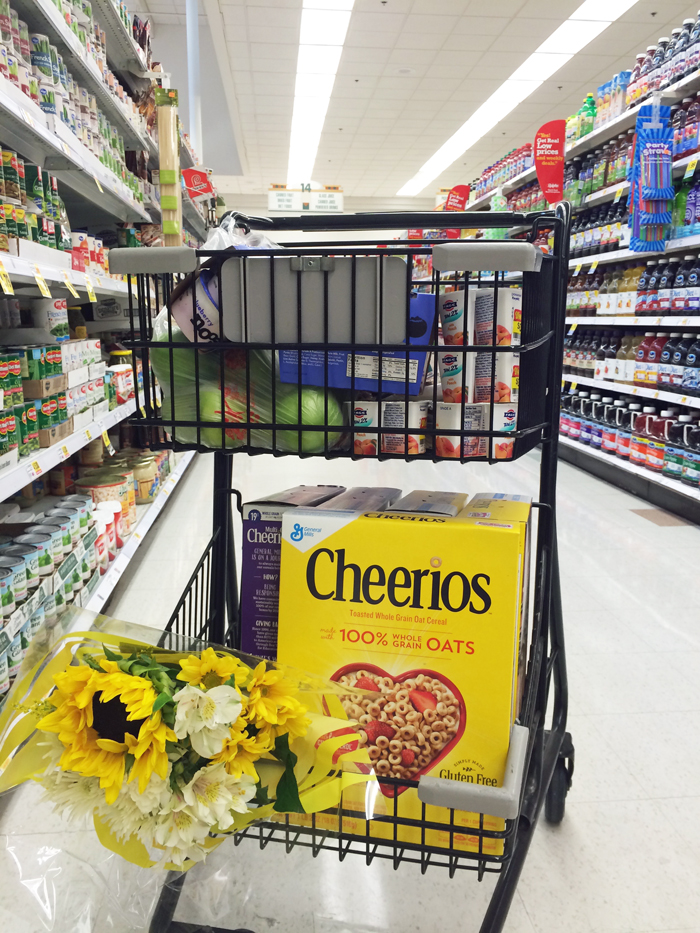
{"type": "Point", "coordinates": [415, 234]}
{"type": "Point", "coordinates": [197, 183]}
{"type": "Point", "coordinates": [549, 159]}
{"type": "Point", "coordinates": [457, 198]}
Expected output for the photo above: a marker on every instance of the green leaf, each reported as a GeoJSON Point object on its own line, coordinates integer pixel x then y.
{"type": "Point", "coordinates": [91, 662]}
{"type": "Point", "coordinates": [160, 702]}
{"type": "Point", "coordinates": [168, 715]}
{"type": "Point", "coordinates": [110, 655]}
{"type": "Point", "coordinates": [287, 788]}
{"type": "Point", "coordinates": [261, 797]}
{"type": "Point", "coordinates": [129, 759]}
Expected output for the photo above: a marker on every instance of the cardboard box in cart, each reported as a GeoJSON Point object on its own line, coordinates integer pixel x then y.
{"type": "Point", "coordinates": [426, 609]}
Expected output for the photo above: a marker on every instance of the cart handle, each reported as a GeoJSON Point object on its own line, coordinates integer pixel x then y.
{"type": "Point", "coordinates": [151, 261]}
{"type": "Point", "coordinates": [501, 802]}
{"type": "Point", "coordinates": [481, 255]}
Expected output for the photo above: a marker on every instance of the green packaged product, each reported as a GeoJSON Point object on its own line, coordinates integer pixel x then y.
{"type": "Point", "coordinates": [12, 429]}
{"type": "Point", "coordinates": [32, 426]}
{"type": "Point", "coordinates": [22, 354]}
{"type": "Point", "coordinates": [2, 182]}
{"type": "Point", "coordinates": [55, 199]}
{"type": "Point", "coordinates": [22, 181]}
{"type": "Point", "coordinates": [50, 361]}
{"type": "Point", "coordinates": [4, 241]}
{"type": "Point", "coordinates": [43, 413]}
{"type": "Point", "coordinates": [62, 407]}
{"type": "Point", "coordinates": [35, 185]}
{"type": "Point", "coordinates": [10, 174]}
{"type": "Point", "coordinates": [32, 227]}
{"type": "Point", "coordinates": [51, 233]}
{"type": "Point", "coordinates": [14, 378]}
{"type": "Point", "coordinates": [5, 376]}
{"type": "Point", "coordinates": [20, 412]}
{"type": "Point", "coordinates": [55, 415]}
{"type": "Point", "coordinates": [54, 64]}
{"type": "Point", "coordinates": [48, 205]}
{"type": "Point", "coordinates": [36, 362]}
{"type": "Point", "coordinates": [22, 229]}
{"type": "Point", "coordinates": [44, 231]}
{"type": "Point", "coordinates": [4, 446]}
{"type": "Point", "coordinates": [10, 219]}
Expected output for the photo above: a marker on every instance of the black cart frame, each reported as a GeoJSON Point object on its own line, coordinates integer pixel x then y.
{"type": "Point", "coordinates": [209, 605]}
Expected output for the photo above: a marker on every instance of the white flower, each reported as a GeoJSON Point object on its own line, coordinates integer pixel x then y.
{"type": "Point", "coordinates": [212, 794]}
{"type": "Point", "coordinates": [154, 797]}
{"type": "Point", "coordinates": [72, 794]}
{"type": "Point", "coordinates": [178, 827]}
{"type": "Point", "coordinates": [206, 717]}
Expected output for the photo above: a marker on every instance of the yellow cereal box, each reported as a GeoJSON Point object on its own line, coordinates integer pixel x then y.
{"type": "Point", "coordinates": [425, 610]}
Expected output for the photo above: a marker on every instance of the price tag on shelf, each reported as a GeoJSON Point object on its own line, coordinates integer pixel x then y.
{"type": "Point", "coordinates": [572, 329]}
{"type": "Point", "coordinates": [69, 284]}
{"type": "Point", "coordinates": [143, 411]}
{"type": "Point", "coordinates": [88, 434]}
{"type": "Point", "coordinates": [107, 442]}
{"type": "Point", "coordinates": [578, 268]}
{"type": "Point", "coordinates": [618, 195]}
{"type": "Point", "coordinates": [657, 320]}
{"type": "Point", "coordinates": [594, 266]}
{"type": "Point", "coordinates": [684, 399]}
{"type": "Point", "coordinates": [573, 385]}
{"type": "Point", "coordinates": [98, 282]}
{"type": "Point", "coordinates": [90, 290]}
{"type": "Point", "coordinates": [64, 452]}
{"type": "Point", "coordinates": [5, 280]}
{"type": "Point", "coordinates": [65, 147]}
{"type": "Point", "coordinates": [41, 282]}
{"type": "Point", "coordinates": [28, 118]}
{"type": "Point", "coordinates": [97, 182]}
{"type": "Point", "coordinates": [655, 395]}
{"type": "Point", "coordinates": [34, 469]}
{"type": "Point", "coordinates": [684, 321]}
{"type": "Point", "coordinates": [690, 169]}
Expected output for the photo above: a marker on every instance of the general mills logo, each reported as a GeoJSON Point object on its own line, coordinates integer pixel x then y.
{"type": "Point", "coordinates": [254, 515]}
{"type": "Point", "coordinates": [298, 532]}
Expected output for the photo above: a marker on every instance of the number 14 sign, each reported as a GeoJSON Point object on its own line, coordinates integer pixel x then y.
{"type": "Point", "coordinates": [326, 200]}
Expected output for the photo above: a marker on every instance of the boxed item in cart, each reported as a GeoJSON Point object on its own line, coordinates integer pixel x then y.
{"type": "Point", "coordinates": [335, 367]}
{"type": "Point", "coordinates": [427, 611]}
{"type": "Point", "coordinates": [361, 499]}
{"type": "Point", "coordinates": [365, 417]}
{"type": "Point", "coordinates": [476, 418]}
{"type": "Point", "coordinates": [262, 537]}
{"type": "Point", "coordinates": [499, 383]}
{"type": "Point", "coordinates": [433, 503]}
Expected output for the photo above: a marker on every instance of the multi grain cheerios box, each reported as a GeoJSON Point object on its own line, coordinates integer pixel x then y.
{"type": "Point", "coordinates": [425, 607]}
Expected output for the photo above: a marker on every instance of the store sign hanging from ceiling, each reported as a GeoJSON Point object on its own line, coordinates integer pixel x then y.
{"type": "Point", "coordinates": [198, 184]}
{"type": "Point", "coordinates": [314, 200]}
{"type": "Point", "coordinates": [549, 159]}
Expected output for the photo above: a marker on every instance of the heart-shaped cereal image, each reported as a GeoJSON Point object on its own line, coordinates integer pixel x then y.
{"type": "Point", "coordinates": [416, 719]}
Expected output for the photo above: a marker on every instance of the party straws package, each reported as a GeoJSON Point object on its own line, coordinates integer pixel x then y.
{"type": "Point", "coordinates": [651, 181]}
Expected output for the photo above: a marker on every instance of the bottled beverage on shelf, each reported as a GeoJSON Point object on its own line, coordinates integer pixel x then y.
{"type": "Point", "coordinates": [678, 122]}
{"type": "Point", "coordinates": [611, 350]}
{"type": "Point", "coordinates": [679, 361]}
{"type": "Point", "coordinates": [666, 70]}
{"type": "Point", "coordinates": [575, 352]}
{"type": "Point", "coordinates": [665, 375]}
{"type": "Point", "coordinates": [599, 360]}
{"type": "Point", "coordinates": [680, 52]}
{"type": "Point", "coordinates": [690, 381]}
{"type": "Point", "coordinates": [605, 297]}
{"type": "Point", "coordinates": [679, 292]}
{"type": "Point", "coordinates": [666, 283]}
{"type": "Point", "coordinates": [631, 95]}
{"type": "Point", "coordinates": [653, 358]}
{"type": "Point", "coordinates": [627, 289]}
{"type": "Point", "coordinates": [692, 56]}
{"type": "Point", "coordinates": [591, 222]}
{"type": "Point", "coordinates": [692, 292]}
{"type": "Point", "coordinates": [640, 368]}
{"type": "Point", "coordinates": [640, 307]}
{"type": "Point", "coordinates": [691, 457]}
{"type": "Point", "coordinates": [587, 408]}
{"type": "Point", "coordinates": [680, 204]}
{"type": "Point", "coordinates": [654, 74]}
{"type": "Point", "coordinates": [576, 417]}
{"type": "Point", "coordinates": [651, 306]}
{"type": "Point", "coordinates": [624, 429]}
{"type": "Point", "coordinates": [609, 421]}
{"type": "Point", "coordinates": [597, 415]}
{"type": "Point", "coordinates": [620, 368]}
{"type": "Point", "coordinates": [658, 435]}
{"type": "Point", "coordinates": [640, 435]}
{"type": "Point", "coordinates": [690, 132]}
{"type": "Point", "coordinates": [675, 447]}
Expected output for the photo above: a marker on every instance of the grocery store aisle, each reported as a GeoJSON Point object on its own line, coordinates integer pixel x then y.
{"type": "Point", "coordinates": [626, 858]}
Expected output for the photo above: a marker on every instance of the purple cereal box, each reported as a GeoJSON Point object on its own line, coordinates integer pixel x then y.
{"type": "Point", "coordinates": [260, 566]}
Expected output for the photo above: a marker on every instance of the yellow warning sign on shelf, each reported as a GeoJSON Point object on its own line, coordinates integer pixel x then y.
{"type": "Point", "coordinates": [69, 284]}
{"type": "Point", "coordinates": [41, 282]}
{"type": "Point", "coordinates": [90, 290]}
{"type": "Point", "coordinates": [5, 280]}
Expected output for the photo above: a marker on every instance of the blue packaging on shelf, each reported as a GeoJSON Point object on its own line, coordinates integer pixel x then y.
{"type": "Point", "coordinates": [339, 366]}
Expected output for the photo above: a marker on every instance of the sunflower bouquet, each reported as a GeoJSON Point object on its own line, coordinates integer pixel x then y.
{"type": "Point", "coordinates": [169, 750]}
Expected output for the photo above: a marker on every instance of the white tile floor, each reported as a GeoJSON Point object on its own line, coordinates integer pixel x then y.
{"type": "Point", "coordinates": [626, 858]}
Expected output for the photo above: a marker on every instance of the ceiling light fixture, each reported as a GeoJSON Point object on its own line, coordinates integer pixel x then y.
{"type": "Point", "coordinates": [587, 22]}
{"type": "Point", "coordinates": [324, 25]}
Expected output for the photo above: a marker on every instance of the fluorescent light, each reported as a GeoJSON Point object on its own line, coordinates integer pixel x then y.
{"type": "Point", "coordinates": [591, 18]}
{"type": "Point", "coordinates": [324, 25]}
{"type": "Point", "coordinates": [319, 59]}
{"type": "Point", "coordinates": [573, 35]}
{"type": "Point", "coordinates": [540, 66]}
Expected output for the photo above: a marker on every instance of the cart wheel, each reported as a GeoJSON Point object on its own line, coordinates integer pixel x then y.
{"type": "Point", "coordinates": [555, 801]}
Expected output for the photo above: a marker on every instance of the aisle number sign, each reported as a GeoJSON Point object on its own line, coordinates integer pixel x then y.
{"type": "Point", "coordinates": [325, 200]}
{"type": "Point", "coordinates": [5, 280]}
{"type": "Point", "coordinates": [90, 290]}
{"type": "Point", "coordinates": [41, 282]}
{"type": "Point", "coordinates": [69, 284]}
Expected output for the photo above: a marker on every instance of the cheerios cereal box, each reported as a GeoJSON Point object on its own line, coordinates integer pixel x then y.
{"type": "Point", "coordinates": [426, 611]}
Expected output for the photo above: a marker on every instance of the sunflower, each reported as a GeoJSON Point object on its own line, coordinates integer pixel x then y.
{"type": "Point", "coordinates": [240, 751]}
{"type": "Point", "coordinates": [212, 670]}
{"type": "Point", "coordinates": [270, 698]}
{"type": "Point", "coordinates": [100, 717]}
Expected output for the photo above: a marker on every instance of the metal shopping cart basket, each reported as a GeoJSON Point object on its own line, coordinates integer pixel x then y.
{"type": "Point", "coordinates": [246, 329]}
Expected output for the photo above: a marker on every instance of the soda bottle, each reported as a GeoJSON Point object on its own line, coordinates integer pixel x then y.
{"type": "Point", "coordinates": [640, 369]}
{"type": "Point", "coordinates": [666, 286]}
{"type": "Point", "coordinates": [625, 416]}
{"type": "Point", "coordinates": [640, 435]}
{"type": "Point", "coordinates": [679, 361]}
{"type": "Point", "coordinates": [665, 369]}
{"type": "Point", "coordinates": [680, 52]}
{"type": "Point", "coordinates": [675, 447]}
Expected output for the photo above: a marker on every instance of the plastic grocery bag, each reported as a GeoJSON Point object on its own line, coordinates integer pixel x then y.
{"type": "Point", "coordinates": [231, 388]}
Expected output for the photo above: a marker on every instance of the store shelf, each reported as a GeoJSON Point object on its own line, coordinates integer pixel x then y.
{"type": "Point", "coordinates": [16, 477]}
{"type": "Point", "coordinates": [192, 219]}
{"type": "Point", "coordinates": [186, 160]}
{"type": "Point", "coordinates": [618, 255]}
{"type": "Point", "coordinates": [40, 138]}
{"type": "Point", "coordinates": [672, 398]}
{"type": "Point", "coordinates": [656, 479]}
{"type": "Point", "coordinates": [148, 515]}
{"type": "Point", "coordinates": [43, 17]}
{"type": "Point", "coordinates": [21, 272]}
{"type": "Point", "coordinates": [627, 321]}
{"type": "Point", "coordinates": [123, 53]}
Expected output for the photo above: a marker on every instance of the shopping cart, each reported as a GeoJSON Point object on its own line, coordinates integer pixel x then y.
{"type": "Point", "coordinates": [340, 312]}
